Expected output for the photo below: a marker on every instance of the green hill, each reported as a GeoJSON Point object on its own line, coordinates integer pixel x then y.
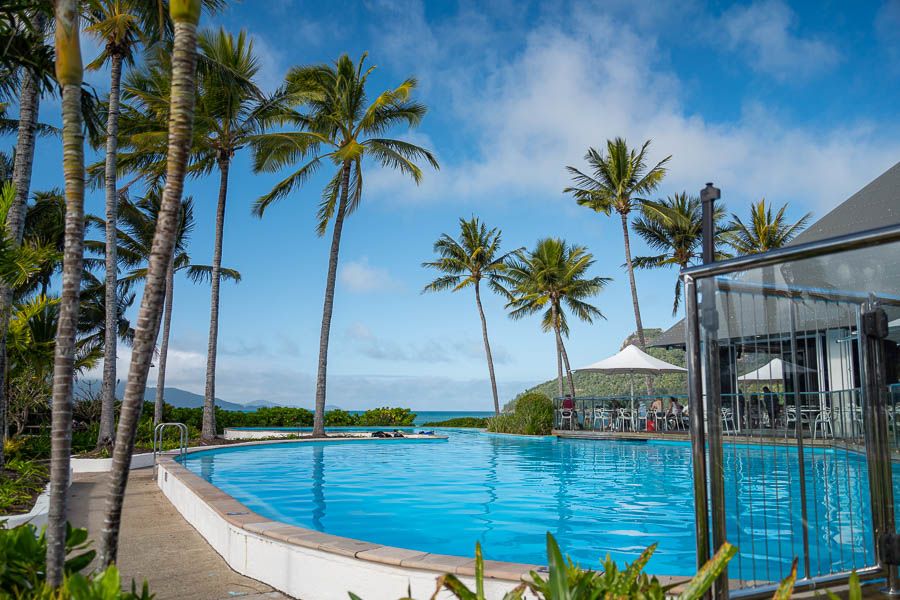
{"type": "Point", "coordinates": [599, 384]}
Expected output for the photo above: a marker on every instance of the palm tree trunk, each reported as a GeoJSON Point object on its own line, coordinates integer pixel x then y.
{"type": "Point", "coordinates": [164, 345]}
{"type": "Point", "coordinates": [559, 364]}
{"type": "Point", "coordinates": [186, 14]}
{"type": "Point", "coordinates": [108, 391]}
{"type": "Point", "coordinates": [487, 349]}
{"type": "Point", "coordinates": [634, 294]}
{"type": "Point", "coordinates": [69, 75]}
{"type": "Point", "coordinates": [565, 356]}
{"type": "Point", "coordinates": [29, 103]}
{"type": "Point", "coordinates": [319, 418]}
{"type": "Point", "coordinates": [209, 400]}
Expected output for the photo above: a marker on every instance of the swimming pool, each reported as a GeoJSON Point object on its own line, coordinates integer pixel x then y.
{"type": "Point", "coordinates": [596, 497]}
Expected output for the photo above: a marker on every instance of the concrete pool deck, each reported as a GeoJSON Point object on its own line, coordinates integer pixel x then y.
{"type": "Point", "coordinates": [158, 545]}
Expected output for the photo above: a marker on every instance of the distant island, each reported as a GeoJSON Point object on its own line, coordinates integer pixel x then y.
{"type": "Point", "coordinates": [180, 398]}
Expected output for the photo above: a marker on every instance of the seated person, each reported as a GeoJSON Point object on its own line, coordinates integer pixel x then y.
{"type": "Point", "coordinates": [656, 406]}
{"type": "Point", "coordinates": [568, 403]}
{"type": "Point", "coordinates": [675, 408]}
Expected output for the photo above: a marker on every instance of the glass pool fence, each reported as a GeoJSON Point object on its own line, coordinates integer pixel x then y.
{"type": "Point", "coordinates": [796, 352]}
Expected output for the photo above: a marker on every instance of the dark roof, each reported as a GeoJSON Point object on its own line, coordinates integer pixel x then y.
{"type": "Point", "coordinates": [876, 205]}
{"type": "Point", "coordinates": [673, 336]}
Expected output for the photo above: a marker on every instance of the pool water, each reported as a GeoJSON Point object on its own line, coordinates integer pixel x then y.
{"type": "Point", "coordinates": [597, 497]}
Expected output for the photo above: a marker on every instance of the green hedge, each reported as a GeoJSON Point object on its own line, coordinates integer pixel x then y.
{"type": "Point", "coordinates": [532, 414]}
{"type": "Point", "coordinates": [474, 422]}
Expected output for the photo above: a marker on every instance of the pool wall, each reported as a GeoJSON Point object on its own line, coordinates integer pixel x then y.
{"type": "Point", "coordinates": [309, 564]}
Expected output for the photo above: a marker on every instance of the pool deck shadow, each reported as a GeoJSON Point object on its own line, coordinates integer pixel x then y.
{"type": "Point", "coordinates": [158, 545]}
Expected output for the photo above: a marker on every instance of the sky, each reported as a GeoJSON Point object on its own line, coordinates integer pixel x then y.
{"type": "Point", "coordinates": [794, 102]}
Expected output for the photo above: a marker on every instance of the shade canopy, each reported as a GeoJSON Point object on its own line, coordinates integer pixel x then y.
{"type": "Point", "coordinates": [772, 371]}
{"type": "Point", "coordinates": [632, 360]}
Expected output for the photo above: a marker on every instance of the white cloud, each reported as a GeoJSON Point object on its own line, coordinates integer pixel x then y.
{"type": "Point", "coordinates": [243, 380]}
{"type": "Point", "coordinates": [272, 67]}
{"type": "Point", "coordinates": [429, 350]}
{"type": "Point", "coordinates": [358, 276]}
{"type": "Point", "coordinates": [762, 33]}
{"type": "Point", "coordinates": [538, 110]}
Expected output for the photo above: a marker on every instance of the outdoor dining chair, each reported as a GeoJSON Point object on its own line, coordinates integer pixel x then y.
{"type": "Point", "coordinates": [823, 421]}
{"type": "Point", "coordinates": [602, 416]}
{"type": "Point", "coordinates": [567, 416]}
{"type": "Point", "coordinates": [659, 421]}
{"type": "Point", "coordinates": [728, 421]}
{"type": "Point", "coordinates": [625, 420]}
{"type": "Point", "coordinates": [642, 417]}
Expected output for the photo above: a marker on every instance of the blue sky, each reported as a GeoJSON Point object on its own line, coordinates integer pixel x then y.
{"type": "Point", "coordinates": [795, 102]}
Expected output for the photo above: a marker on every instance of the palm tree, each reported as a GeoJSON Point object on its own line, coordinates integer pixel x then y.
{"type": "Point", "coordinates": [618, 180]}
{"type": "Point", "coordinates": [464, 263]}
{"type": "Point", "coordinates": [764, 231]}
{"type": "Point", "coordinates": [186, 15]}
{"type": "Point", "coordinates": [136, 229]}
{"type": "Point", "coordinates": [30, 67]}
{"type": "Point", "coordinates": [337, 125]}
{"type": "Point", "coordinates": [117, 24]}
{"type": "Point", "coordinates": [230, 111]}
{"type": "Point", "coordinates": [69, 74]}
{"type": "Point", "coordinates": [550, 278]}
{"type": "Point", "coordinates": [674, 227]}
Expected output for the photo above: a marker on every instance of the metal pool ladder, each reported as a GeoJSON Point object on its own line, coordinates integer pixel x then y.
{"type": "Point", "coordinates": [158, 439]}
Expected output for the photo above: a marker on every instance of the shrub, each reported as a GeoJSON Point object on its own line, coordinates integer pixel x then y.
{"type": "Point", "coordinates": [532, 415]}
{"type": "Point", "coordinates": [566, 581]}
{"type": "Point", "coordinates": [475, 422]}
{"type": "Point", "coordinates": [23, 569]}
{"type": "Point", "coordinates": [340, 418]}
{"type": "Point", "coordinates": [392, 417]}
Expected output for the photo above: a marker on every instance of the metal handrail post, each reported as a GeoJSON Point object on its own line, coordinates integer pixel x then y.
{"type": "Point", "coordinates": [801, 463]}
{"type": "Point", "coordinates": [713, 381]}
{"type": "Point", "coordinates": [698, 436]}
{"type": "Point", "coordinates": [873, 328]}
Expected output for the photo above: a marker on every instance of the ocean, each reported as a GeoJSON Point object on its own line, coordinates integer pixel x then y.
{"type": "Point", "coordinates": [430, 416]}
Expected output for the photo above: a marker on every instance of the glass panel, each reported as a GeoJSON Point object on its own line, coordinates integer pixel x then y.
{"type": "Point", "coordinates": [789, 382]}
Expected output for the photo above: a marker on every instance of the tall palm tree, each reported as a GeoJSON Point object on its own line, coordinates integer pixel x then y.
{"type": "Point", "coordinates": [186, 15]}
{"type": "Point", "coordinates": [464, 263]}
{"type": "Point", "coordinates": [137, 226]}
{"type": "Point", "coordinates": [115, 23]}
{"type": "Point", "coordinates": [550, 278]}
{"type": "Point", "coordinates": [30, 67]}
{"type": "Point", "coordinates": [337, 125]}
{"type": "Point", "coordinates": [764, 230]}
{"type": "Point", "coordinates": [674, 227]}
{"type": "Point", "coordinates": [617, 181]}
{"type": "Point", "coordinates": [230, 111]}
{"type": "Point", "coordinates": [69, 74]}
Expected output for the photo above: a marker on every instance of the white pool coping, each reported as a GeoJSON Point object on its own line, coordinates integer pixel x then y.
{"type": "Point", "coordinates": [104, 465]}
{"type": "Point", "coordinates": [309, 564]}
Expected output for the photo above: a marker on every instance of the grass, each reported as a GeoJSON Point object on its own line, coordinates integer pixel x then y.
{"type": "Point", "coordinates": [22, 481]}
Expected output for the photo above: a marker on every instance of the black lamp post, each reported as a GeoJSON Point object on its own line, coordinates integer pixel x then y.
{"type": "Point", "coordinates": [708, 197]}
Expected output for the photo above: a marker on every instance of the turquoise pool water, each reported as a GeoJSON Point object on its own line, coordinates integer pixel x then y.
{"type": "Point", "coordinates": [596, 497]}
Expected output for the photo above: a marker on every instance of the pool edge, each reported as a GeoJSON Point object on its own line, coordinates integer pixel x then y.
{"type": "Point", "coordinates": [309, 564]}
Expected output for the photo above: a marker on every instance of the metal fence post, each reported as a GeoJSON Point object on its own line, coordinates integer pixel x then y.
{"type": "Point", "coordinates": [713, 381]}
{"type": "Point", "coordinates": [801, 461]}
{"type": "Point", "coordinates": [698, 435]}
{"type": "Point", "coordinates": [873, 329]}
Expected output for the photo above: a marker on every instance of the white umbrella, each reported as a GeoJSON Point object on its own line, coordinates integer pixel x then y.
{"type": "Point", "coordinates": [772, 371]}
{"type": "Point", "coordinates": [632, 361]}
